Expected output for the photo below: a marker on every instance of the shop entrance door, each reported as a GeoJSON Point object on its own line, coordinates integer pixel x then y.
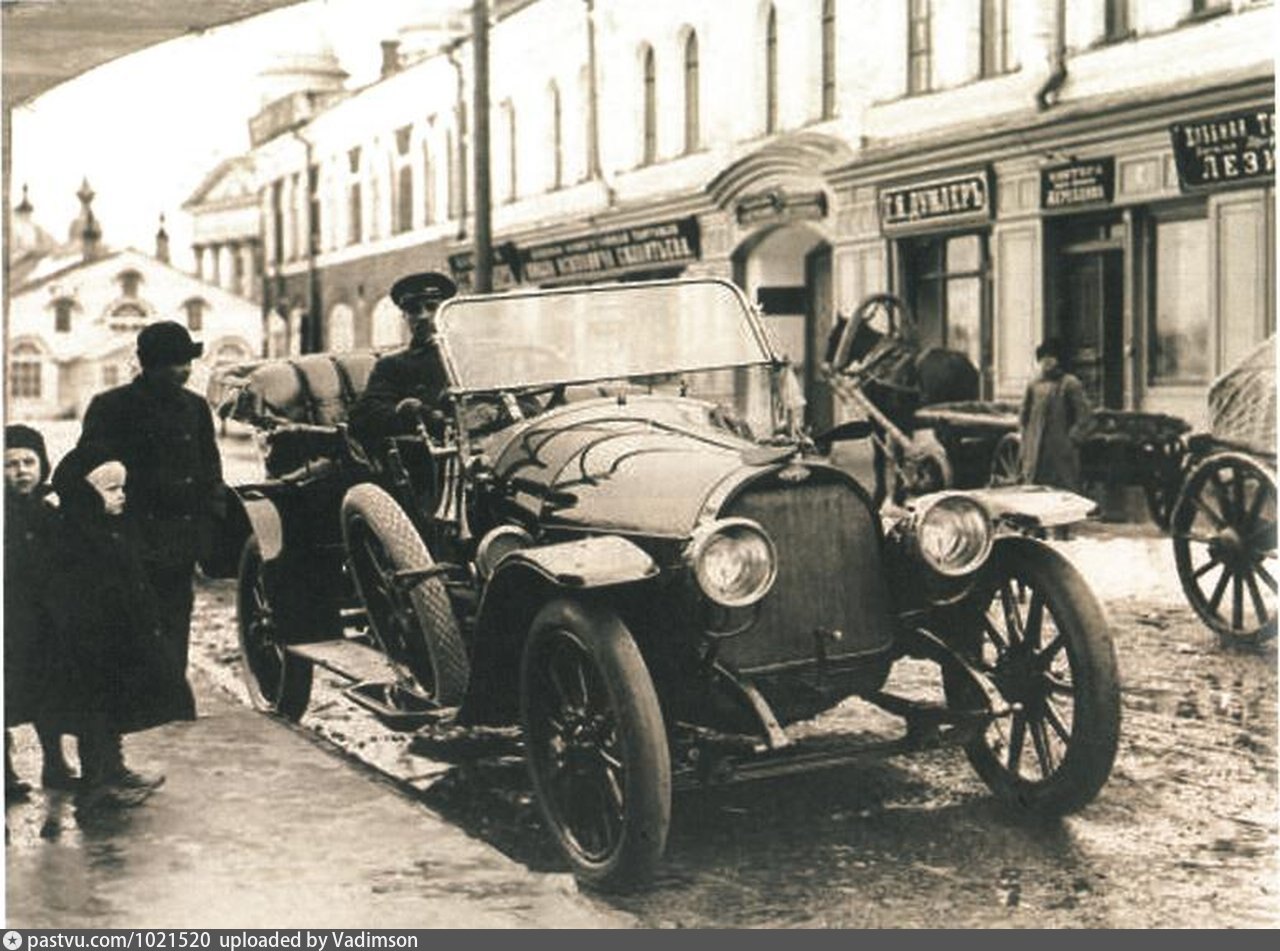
{"type": "Point", "coordinates": [1093, 323]}
{"type": "Point", "coordinates": [1089, 309]}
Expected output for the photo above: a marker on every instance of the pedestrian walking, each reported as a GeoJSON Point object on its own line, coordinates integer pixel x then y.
{"type": "Point", "coordinates": [1053, 409]}
{"type": "Point", "coordinates": [105, 613]}
{"type": "Point", "coordinates": [30, 685]}
{"type": "Point", "coordinates": [163, 435]}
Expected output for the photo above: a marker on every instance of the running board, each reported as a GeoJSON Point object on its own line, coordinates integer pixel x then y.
{"type": "Point", "coordinates": [348, 658]}
{"type": "Point", "coordinates": [713, 768]}
{"type": "Point", "coordinates": [397, 707]}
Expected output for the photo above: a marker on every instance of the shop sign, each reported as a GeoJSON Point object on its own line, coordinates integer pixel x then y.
{"type": "Point", "coordinates": [777, 205]}
{"type": "Point", "coordinates": [955, 199]}
{"type": "Point", "coordinates": [655, 245]}
{"type": "Point", "coordinates": [506, 268]}
{"type": "Point", "coordinates": [1090, 182]}
{"type": "Point", "coordinates": [1234, 149]}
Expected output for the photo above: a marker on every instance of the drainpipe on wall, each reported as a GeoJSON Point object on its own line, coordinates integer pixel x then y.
{"type": "Point", "coordinates": [1057, 59]}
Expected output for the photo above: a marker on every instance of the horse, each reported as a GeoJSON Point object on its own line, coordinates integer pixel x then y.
{"type": "Point", "coordinates": [894, 374]}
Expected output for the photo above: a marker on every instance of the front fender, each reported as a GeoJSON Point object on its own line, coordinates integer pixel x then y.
{"type": "Point", "coordinates": [524, 581]}
{"type": "Point", "coordinates": [1035, 506]}
{"type": "Point", "coordinates": [247, 512]}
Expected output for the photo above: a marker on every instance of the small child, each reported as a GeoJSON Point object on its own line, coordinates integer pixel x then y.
{"type": "Point", "coordinates": [106, 612]}
{"type": "Point", "coordinates": [29, 660]}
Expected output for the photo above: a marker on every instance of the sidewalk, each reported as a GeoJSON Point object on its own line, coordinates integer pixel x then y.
{"type": "Point", "coordinates": [260, 826]}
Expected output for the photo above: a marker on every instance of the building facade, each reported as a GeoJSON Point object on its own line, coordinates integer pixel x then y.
{"type": "Point", "coordinates": [1100, 170]}
{"type": "Point", "coordinates": [75, 313]}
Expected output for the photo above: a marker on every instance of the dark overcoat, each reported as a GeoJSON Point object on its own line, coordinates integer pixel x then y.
{"type": "Point", "coordinates": [417, 371]}
{"type": "Point", "coordinates": [164, 436]}
{"type": "Point", "coordinates": [1053, 409]}
{"type": "Point", "coordinates": [105, 617]}
{"type": "Point", "coordinates": [30, 655]}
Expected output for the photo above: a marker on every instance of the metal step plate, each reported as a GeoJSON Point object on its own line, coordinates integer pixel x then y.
{"type": "Point", "coordinates": [349, 658]}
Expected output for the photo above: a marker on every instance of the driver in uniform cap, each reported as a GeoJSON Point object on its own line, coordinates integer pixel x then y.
{"type": "Point", "coordinates": [404, 382]}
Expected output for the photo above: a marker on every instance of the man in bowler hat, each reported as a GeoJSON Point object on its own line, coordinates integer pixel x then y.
{"type": "Point", "coordinates": [403, 383]}
{"type": "Point", "coordinates": [163, 434]}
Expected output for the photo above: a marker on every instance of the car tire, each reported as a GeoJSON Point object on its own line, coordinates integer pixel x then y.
{"type": "Point", "coordinates": [595, 744]}
{"type": "Point", "coordinates": [414, 624]}
{"type": "Point", "coordinates": [277, 681]}
{"type": "Point", "coordinates": [1025, 585]}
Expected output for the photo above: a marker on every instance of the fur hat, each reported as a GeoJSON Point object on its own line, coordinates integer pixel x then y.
{"type": "Point", "coordinates": [21, 436]}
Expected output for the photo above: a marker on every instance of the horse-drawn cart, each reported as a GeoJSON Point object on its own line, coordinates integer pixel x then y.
{"type": "Point", "coordinates": [1223, 518]}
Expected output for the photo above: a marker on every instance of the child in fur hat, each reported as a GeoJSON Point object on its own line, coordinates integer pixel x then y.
{"type": "Point", "coordinates": [104, 608]}
{"type": "Point", "coordinates": [29, 655]}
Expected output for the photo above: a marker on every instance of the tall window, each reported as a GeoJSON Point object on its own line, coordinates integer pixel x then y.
{"type": "Point", "coordinates": [995, 37]}
{"type": "Point", "coordinates": [509, 125]}
{"type": "Point", "coordinates": [692, 103]}
{"type": "Point", "coordinates": [650, 152]}
{"type": "Point", "coordinates": [403, 183]}
{"type": "Point", "coordinates": [919, 50]}
{"type": "Point", "coordinates": [195, 308]}
{"type": "Point", "coordinates": [828, 59]}
{"type": "Point", "coordinates": [62, 309]}
{"type": "Point", "coordinates": [313, 214]}
{"type": "Point", "coordinates": [1116, 19]}
{"type": "Point", "coordinates": [771, 72]}
{"type": "Point", "coordinates": [451, 174]}
{"type": "Point", "coordinates": [945, 276]}
{"type": "Point", "coordinates": [295, 223]}
{"type": "Point", "coordinates": [355, 221]}
{"type": "Point", "coordinates": [428, 183]}
{"type": "Point", "coordinates": [589, 169]}
{"type": "Point", "coordinates": [557, 135]}
{"type": "Point", "coordinates": [1180, 351]}
{"type": "Point", "coordinates": [277, 229]}
{"type": "Point", "coordinates": [25, 372]}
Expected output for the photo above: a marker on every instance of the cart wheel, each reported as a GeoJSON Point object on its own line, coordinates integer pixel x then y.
{"type": "Point", "coordinates": [889, 309]}
{"type": "Point", "coordinates": [1224, 544]}
{"type": "Point", "coordinates": [1005, 469]}
{"type": "Point", "coordinates": [1164, 467]}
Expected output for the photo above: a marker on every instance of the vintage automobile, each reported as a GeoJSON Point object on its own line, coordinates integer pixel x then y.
{"type": "Point", "coordinates": [614, 535]}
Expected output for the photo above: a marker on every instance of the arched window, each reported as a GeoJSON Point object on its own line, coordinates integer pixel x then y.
{"type": "Point", "coordinates": [428, 182]}
{"type": "Point", "coordinates": [402, 184]}
{"type": "Point", "coordinates": [771, 71]}
{"type": "Point", "coordinates": [692, 102]}
{"type": "Point", "coordinates": [649, 153]}
{"type": "Point", "coordinates": [195, 308]}
{"type": "Point", "coordinates": [828, 59]}
{"type": "Point", "coordinates": [130, 281]}
{"type": "Point", "coordinates": [231, 351]}
{"type": "Point", "coordinates": [342, 328]}
{"type": "Point", "coordinates": [26, 365]}
{"type": "Point", "coordinates": [63, 308]}
{"type": "Point", "coordinates": [555, 118]}
{"type": "Point", "coordinates": [389, 328]}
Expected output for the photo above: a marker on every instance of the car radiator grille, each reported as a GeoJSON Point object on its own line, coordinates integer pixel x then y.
{"type": "Point", "coordinates": [830, 578]}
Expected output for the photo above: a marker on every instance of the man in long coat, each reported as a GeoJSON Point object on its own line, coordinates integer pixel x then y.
{"type": "Point", "coordinates": [164, 435]}
{"type": "Point", "coordinates": [1053, 407]}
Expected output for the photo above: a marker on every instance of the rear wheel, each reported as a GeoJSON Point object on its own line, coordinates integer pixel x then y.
{"type": "Point", "coordinates": [409, 612]}
{"type": "Point", "coordinates": [1039, 634]}
{"type": "Point", "coordinates": [278, 682]}
{"type": "Point", "coordinates": [1224, 544]}
{"type": "Point", "coordinates": [595, 744]}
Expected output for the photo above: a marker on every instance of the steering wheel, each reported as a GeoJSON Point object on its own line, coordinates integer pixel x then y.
{"type": "Point", "coordinates": [900, 329]}
{"type": "Point", "coordinates": [487, 413]}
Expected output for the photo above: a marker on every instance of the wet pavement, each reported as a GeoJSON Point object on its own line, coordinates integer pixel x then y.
{"type": "Point", "coordinates": [261, 825]}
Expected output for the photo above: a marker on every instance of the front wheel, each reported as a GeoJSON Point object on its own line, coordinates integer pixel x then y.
{"type": "Point", "coordinates": [278, 682]}
{"type": "Point", "coordinates": [595, 744]}
{"type": "Point", "coordinates": [1037, 631]}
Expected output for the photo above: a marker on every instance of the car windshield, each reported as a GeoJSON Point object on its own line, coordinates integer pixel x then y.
{"type": "Point", "coordinates": [617, 332]}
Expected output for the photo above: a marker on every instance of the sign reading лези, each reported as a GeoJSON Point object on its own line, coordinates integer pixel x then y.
{"type": "Point", "coordinates": [1237, 148]}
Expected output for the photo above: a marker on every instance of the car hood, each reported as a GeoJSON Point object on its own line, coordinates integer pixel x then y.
{"type": "Point", "coordinates": [648, 465]}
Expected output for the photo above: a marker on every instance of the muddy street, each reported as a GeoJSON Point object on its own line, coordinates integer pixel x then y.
{"type": "Point", "coordinates": [1183, 835]}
